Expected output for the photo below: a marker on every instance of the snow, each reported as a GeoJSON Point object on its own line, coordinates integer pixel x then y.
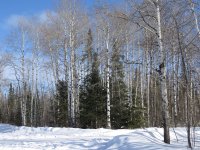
{"type": "Point", "coordinates": [48, 138]}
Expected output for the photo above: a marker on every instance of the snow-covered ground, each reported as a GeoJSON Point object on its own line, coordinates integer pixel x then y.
{"type": "Point", "coordinates": [26, 138]}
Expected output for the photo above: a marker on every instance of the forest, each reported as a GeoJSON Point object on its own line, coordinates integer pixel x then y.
{"type": "Point", "coordinates": [123, 64]}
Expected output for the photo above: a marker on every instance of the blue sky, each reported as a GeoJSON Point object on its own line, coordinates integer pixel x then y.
{"type": "Point", "coordinates": [11, 8]}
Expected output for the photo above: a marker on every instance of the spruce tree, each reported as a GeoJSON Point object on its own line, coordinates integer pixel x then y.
{"type": "Point", "coordinates": [119, 96]}
{"type": "Point", "coordinates": [14, 107]}
{"type": "Point", "coordinates": [28, 105]}
{"type": "Point", "coordinates": [88, 48]}
{"type": "Point", "coordinates": [136, 119]}
{"type": "Point", "coordinates": [61, 104]}
{"type": "Point", "coordinates": [93, 99]}
{"type": "Point", "coordinates": [11, 105]}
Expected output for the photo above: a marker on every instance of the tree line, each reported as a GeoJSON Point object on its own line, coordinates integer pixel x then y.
{"type": "Point", "coordinates": [127, 64]}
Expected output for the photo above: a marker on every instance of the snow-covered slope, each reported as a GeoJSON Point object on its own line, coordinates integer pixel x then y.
{"type": "Point", "coordinates": [26, 138]}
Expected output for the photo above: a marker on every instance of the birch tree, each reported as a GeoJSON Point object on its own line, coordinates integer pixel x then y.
{"type": "Point", "coordinates": [151, 20]}
{"type": "Point", "coordinates": [35, 36]}
{"type": "Point", "coordinates": [18, 41]}
{"type": "Point", "coordinates": [75, 25]}
{"type": "Point", "coordinates": [196, 21]}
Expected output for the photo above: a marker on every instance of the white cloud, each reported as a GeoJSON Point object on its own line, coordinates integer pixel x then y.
{"type": "Point", "coordinates": [12, 20]}
{"type": "Point", "coordinates": [42, 17]}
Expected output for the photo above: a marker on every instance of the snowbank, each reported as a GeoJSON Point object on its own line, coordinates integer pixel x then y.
{"type": "Point", "coordinates": [43, 138]}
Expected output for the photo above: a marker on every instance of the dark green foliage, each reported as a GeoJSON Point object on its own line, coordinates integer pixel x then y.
{"type": "Point", "coordinates": [52, 112]}
{"type": "Point", "coordinates": [14, 109]}
{"type": "Point", "coordinates": [61, 103]}
{"type": "Point", "coordinates": [136, 117]}
{"type": "Point", "coordinates": [1, 115]}
{"type": "Point", "coordinates": [136, 120]}
{"type": "Point", "coordinates": [18, 117]}
{"type": "Point", "coordinates": [28, 95]}
{"type": "Point", "coordinates": [11, 104]}
{"type": "Point", "coordinates": [88, 48]}
{"type": "Point", "coordinates": [38, 113]}
{"type": "Point", "coordinates": [93, 100]}
{"type": "Point", "coordinates": [119, 98]}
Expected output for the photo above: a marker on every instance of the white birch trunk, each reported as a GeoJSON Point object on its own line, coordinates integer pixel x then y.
{"type": "Point", "coordinates": [195, 16]}
{"type": "Point", "coordinates": [142, 83]}
{"type": "Point", "coordinates": [66, 68]}
{"type": "Point", "coordinates": [72, 79]}
{"type": "Point", "coordinates": [137, 78]}
{"type": "Point", "coordinates": [162, 67]}
{"type": "Point", "coordinates": [108, 79]}
{"type": "Point", "coordinates": [36, 82]}
{"type": "Point", "coordinates": [148, 73]}
{"type": "Point", "coordinates": [174, 85]}
{"type": "Point", "coordinates": [23, 102]}
{"type": "Point", "coordinates": [33, 84]}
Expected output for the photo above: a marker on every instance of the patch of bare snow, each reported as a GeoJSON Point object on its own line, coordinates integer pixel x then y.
{"type": "Point", "coordinates": [48, 138]}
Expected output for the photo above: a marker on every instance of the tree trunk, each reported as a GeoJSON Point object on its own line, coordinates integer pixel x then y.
{"type": "Point", "coordinates": [148, 74]}
{"type": "Point", "coordinates": [195, 16]}
{"type": "Point", "coordinates": [32, 87]}
{"type": "Point", "coordinates": [185, 87]}
{"type": "Point", "coordinates": [67, 76]}
{"type": "Point", "coordinates": [72, 80]}
{"type": "Point", "coordinates": [162, 71]}
{"type": "Point", "coordinates": [174, 85]}
{"type": "Point", "coordinates": [23, 102]}
{"type": "Point", "coordinates": [108, 81]}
